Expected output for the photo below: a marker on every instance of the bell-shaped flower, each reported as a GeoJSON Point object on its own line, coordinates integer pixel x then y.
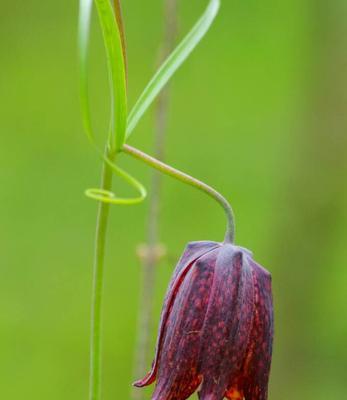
{"type": "Point", "coordinates": [216, 327]}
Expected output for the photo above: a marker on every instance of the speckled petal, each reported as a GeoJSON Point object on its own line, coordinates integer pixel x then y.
{"type": "Point", "coordinates": [234, 393]}
{"type": "Point", "coordinates": [193, 251]}
{"type": "Point", "coordinates": [258, 361]}
{"type": "Point", "coordinates": [177, 376]}
{"type": "Point", "coordinates": [228, 322]}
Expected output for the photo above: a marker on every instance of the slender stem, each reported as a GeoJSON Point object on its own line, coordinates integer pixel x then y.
{"type": "Point", "coordinates": [152, 251]}
{"type": "Point", "coordinates": [185, 178]}
{"type": "Point", "coordinates": [98, 281]}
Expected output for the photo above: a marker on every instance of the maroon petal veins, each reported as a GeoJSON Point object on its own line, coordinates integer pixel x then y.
{"type": "Point", "coordinates": [177, 376]}
{"type": "Point", "coordinates": [258, 361]}
{"type": "Point", "coordinates": [193, 251]}
{"type": "Point", "coordinates": [227, 324]}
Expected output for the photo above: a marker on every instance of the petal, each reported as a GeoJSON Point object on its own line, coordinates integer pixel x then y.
{"type": "Point", "coordinates": [207, 397]}
{"type": "Point", "coordinates": [178, 376]}
{"type": "Point", "coordinates": [234, 393]}
{"type": "Point", "coordinates": [193, 251]}
{"type": "Point", "coordinates": [258, 361]}
{"type": "Point", "coordinates": [228, 322]}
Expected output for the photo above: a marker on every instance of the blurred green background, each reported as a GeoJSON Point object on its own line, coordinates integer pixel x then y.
{"type": "Point", "coordinates": [259, 111]}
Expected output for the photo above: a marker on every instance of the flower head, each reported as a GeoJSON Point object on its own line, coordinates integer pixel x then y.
{"type": "Point", "coordinates": [216, 327]}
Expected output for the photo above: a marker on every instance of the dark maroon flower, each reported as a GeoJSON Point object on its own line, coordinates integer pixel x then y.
{"type": "Point", "coordinates": [216, 327]}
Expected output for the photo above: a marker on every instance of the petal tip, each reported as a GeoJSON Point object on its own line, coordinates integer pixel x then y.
{"type": "Point", "coordinates": [147, 380]}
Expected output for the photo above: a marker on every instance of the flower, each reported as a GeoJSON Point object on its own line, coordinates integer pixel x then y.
{"type": "Point", "coordinates": [216, 327]}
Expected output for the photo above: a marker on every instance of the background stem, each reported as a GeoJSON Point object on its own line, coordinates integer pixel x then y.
{"type": "Point", "coordinates": [152, 251]}
{"type": "Point", "coordinates": [98, 283]}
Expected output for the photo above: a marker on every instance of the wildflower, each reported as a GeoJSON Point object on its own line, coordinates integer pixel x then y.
{"type": "Point", "coordinates": [216, 327]}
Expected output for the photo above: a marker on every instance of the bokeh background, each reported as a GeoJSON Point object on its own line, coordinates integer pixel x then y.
{"type": "Point", "coordinates": [259, 111]}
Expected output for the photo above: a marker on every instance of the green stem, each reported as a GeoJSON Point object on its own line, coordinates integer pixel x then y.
{"type": "Point", "coordinates": [185, 178]}
{"type": "Point", "coordinates": [98, 278]}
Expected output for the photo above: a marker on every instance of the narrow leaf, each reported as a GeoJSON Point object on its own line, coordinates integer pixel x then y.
{"type": "Point", "coordinates": [116, 67]}
{"type": "Point", "coordinates": [172, 63]}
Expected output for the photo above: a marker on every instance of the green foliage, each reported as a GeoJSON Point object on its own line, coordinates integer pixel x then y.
{"type": "Point", "coordinates": [170, 66]}
{"type": "Point", "coordinates": [116, 69]}
{"type": "Point", "coordinates": [116, 66]}
{"type": "Point", "coordinates": [121, 126]}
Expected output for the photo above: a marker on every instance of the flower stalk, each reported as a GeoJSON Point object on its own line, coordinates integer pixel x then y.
{"type": "Point", "coordinates": [189, 180]}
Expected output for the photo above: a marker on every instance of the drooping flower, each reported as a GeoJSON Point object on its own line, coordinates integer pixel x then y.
{"type": "Point", "coordinates": [216, 327]}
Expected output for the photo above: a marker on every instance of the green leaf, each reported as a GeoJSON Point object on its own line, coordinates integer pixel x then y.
{"type": "Point", "coordinates": [116, 66]}
{"type": "Point", "coordinates": [116, 69]}
{"type": "Point", "coordinates": [172, 63]}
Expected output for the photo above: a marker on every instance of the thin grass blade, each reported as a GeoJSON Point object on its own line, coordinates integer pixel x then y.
{"type": "Point", "coordinates": [172, 63]}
